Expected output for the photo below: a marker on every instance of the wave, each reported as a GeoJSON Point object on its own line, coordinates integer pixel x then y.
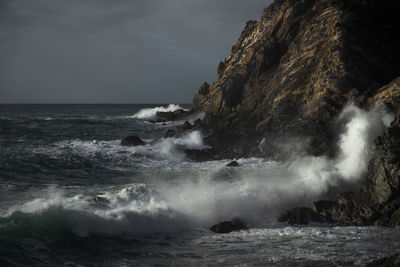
{"type": "Point", "coordinates": [151, 113]}
{"type": "Point", "coordinates": [135, 208]}
{"type": "Point", "coordinates": [194, 195]}
{"type": "Point", "coordinates": [78, 153]}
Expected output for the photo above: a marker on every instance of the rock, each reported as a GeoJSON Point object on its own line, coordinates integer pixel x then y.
{"type": "Point", "coordinates": [228, 226]}
{"type": "Point", "coordinates": [291, 73]}
{"type": "Point", "coordinates": [233, 163]}
{"type": "Point", "coordinates": [133, 140]}
{"type": "Point", "coordinates": [173, 115]}
{"type": "Point", "coordinates": [301, 215]}
{"type": "Point", "coordinates": [323, 205]}
{"type": "Point", "coordinates": [197, 123]}
{"type": "Point", "coordinates": [390, 261]}
{"type": "Point", "coordinates": [199, 154]}
{"type": "Point", "coordinates": [186, 126]}
{"type": "Point", "coordinates": [249, 24]}
{"type": "Point", "coordinates": [170, 133]}
{"type": "Point", "coordinates": [221, 69]}
{"type": "Point", "coordinates": [98, 199]}
{"type": "Point", "coordinates": [295, 69]}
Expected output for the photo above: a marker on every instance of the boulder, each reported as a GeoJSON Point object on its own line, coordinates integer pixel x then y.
{"type": "Point", "coordinates": [186, 126]}
{"type": "Point", "coordinates": [199, 154]}
{"type": "Point", "coordinates": [173, 115]}
{"type": "Point", "coordinates": [197, 123]}
{"type": "Point", "coordinates": [133, 140]}
{"type": "Point", "coordinates": [170, 133]}
{"type": "Point", "coordinates": [233, 163]}
{"type": "Point", "coordinates": [228, 226]}
{"type": "Point", "coordinates": [302, 215]}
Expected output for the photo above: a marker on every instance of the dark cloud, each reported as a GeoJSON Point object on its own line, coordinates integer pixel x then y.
{"type": "Point", "coordinates": [115, 51]}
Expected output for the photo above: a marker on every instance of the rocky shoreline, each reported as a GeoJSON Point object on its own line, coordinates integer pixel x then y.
{"type": "Point", "coordinates": [289, 76]}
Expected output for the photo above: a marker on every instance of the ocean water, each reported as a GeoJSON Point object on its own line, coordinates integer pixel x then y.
{"type": "Point", "coordinates": [70, 195]}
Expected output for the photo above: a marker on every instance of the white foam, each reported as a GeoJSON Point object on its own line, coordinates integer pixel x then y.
{"type": "Point", "coordinates": [201, 194]}
{"type": "Point", "coordinates": [151, 113]}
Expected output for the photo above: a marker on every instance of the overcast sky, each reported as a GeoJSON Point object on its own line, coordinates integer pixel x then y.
{"type": "Point", "coordinates": [115, 51]}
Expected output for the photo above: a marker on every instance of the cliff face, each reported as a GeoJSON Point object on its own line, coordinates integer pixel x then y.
{"type": "Point", "coordinates": [291, 73]}
{"type": "Point", "coordinates": [294, 70]}
{"type": "Point", "coordinates": [378, 202]}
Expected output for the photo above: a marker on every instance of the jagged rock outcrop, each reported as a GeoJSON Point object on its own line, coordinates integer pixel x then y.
{"type": "Point", "coordinates": [378, 201]}
{"type": "Point", "coordinates": [296, 68]}
{"type": "Point", "coordinates": [291, 73]}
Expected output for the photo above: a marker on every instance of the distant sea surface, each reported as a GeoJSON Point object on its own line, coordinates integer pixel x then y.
{"type": "Point", "coordinates": [71, 195]}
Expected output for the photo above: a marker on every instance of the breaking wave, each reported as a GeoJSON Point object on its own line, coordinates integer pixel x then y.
{"type": "Point", "coordinates": [151, 113]}
{"type": "Point", "coordinates": [189, 194]}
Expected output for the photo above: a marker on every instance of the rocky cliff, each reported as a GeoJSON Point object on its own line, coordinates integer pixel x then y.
{"type": "Point", "coordinates": [295, 69]}
{"type": "Point", "coordinates": [291, 73]}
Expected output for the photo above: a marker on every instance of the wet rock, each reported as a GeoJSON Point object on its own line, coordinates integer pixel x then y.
{"type": "Point", "coordinates": [98, 199]}
{"type": "Point", "coordinates": [302, 215]}
{"type": "Point", "coordinates": [186, 126]}
{"type": "Point", "coordinates": [228, 226]}
{"type": "Point", "coordinates": [173, 115]}
{"type": "Point", "coordinates": [199, 154]}
{"type": "Point", "coordinates": [133, 140]}
{"type": "Point", "coordinates": [233, 163]}
{"type": "Point", "coordinates": [158, 121]}
{"type": "Point", "coordinates": [292, 73]}
{"type": "Point", "coordinates": [294, 70]}
{"type": "Point", "coordinates": [197, 123]}
{"type": "Point", "coordinates": [390, 261]}
{"type": "Point", "coordinates": [323, 205]}
{"type": "Point", "coordinates": [170, 133]}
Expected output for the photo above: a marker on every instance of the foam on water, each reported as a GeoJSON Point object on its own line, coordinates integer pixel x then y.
{"type": "Point", "coordinates": [151, 113]}
{"type": "Point", "coordinates": [180, 193]}
{"type": "Point", "coordinates": [71, 198]}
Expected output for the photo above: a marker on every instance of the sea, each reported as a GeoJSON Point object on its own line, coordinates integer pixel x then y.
{"type": "Point", "coordinates": [71, 195]}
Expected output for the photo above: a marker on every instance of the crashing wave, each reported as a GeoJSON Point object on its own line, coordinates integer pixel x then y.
{"type": "Point", "coordinates": [151, 113]}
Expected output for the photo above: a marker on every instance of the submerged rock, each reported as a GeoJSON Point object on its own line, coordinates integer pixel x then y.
{"type": "Point", "coordinates": [173, 115]}
{"type": "Point", "coordinates": [228, 226]}
{"type": "Point", "coordinates": [133, 140]}
{"type": "Point", "coordinates": [199, 154]}
{"type": "Point", "coordinates": [233, 163]}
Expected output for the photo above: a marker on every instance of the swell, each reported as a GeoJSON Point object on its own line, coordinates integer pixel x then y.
{"type": "Point", "coordinates": [177, 194]}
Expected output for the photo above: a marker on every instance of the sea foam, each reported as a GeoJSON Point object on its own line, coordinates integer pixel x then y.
{"type": "Point", "coordinates": [182, 194]}
{"type": "Point", "coordinates": [151, 113]}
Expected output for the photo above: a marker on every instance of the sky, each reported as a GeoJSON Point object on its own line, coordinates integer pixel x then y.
{"type": "Point", "coordinates": [115, 51]}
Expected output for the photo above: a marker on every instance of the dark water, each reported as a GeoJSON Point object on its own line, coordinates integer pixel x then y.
{"type": "Point", "coordinates": [70, 195]}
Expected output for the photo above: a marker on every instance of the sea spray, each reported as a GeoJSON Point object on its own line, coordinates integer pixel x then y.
{"type": "Point", "coordinates": [179, 194]}
{"type": "Point", "coordinates": [151, 113]}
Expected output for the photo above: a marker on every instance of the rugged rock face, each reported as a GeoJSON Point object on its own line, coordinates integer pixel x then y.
{"type": "Point", "coordinates": [291, 73]}
{"type": "Point", "coordinates": [296, 68]}
{"type": "Point", "coordinates": [378, 202]}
